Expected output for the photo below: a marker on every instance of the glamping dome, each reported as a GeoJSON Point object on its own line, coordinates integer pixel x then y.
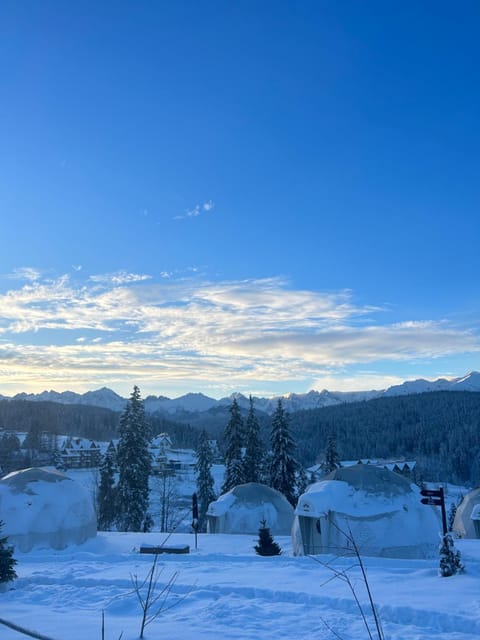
{"type": "Point", "coordinates": [379, 508]}
{"type": "Point", "coordinates": [467, 516]}
{"type": "Point", "coordinates": [242, 509]}
{"type": "Point", "coordinates": [43, 508]}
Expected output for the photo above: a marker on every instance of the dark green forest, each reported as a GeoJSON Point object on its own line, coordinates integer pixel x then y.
{"type": "Point", "coordinates": [439, 430]}
{"type": "Point", "coordinates": [82, 421]}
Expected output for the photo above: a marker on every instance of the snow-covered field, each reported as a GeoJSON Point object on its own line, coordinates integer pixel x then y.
{"type": "Point", "coordinates": [224, 590]}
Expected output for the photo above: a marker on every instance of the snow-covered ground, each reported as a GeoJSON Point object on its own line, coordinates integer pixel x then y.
{"type": "Point", "coordinates": [224, 590]}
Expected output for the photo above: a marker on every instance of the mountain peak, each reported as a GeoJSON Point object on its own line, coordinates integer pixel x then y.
{"type": "Point", "coordinates": [197, 402]}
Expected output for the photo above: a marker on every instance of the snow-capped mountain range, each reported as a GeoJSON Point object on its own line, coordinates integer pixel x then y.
{"type": "Point", "coordinates": [198, 402]}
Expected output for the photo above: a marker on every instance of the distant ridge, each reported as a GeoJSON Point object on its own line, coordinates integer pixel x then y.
{"type": "Point", "coordinates": [198, 402]}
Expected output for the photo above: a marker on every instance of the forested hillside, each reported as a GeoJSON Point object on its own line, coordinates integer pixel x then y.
{"type": "Point", "coordinates": [82, 421]}
{"type": "Point", "coordinates": [440, 430]}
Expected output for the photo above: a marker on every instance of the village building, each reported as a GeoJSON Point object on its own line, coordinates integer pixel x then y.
{"type": "Point", "coordinates": [79, 453]}
{"type": "Point", "coordinates": [406, 468]}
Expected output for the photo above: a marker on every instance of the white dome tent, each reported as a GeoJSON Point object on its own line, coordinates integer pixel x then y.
{"type": "Point", "coordinates": [467, 517]}
{"type": "Point", "coordinates": [42, 508]}
{"type": "Point", "coordinates": [243, 508]}
{"type": "Point", "coordinates": [380, 509]}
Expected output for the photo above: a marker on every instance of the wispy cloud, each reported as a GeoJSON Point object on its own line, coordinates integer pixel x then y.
{"type": "Point", "coordinates": [196, 211]}
{"type": "Point", "coordinates": [25, 273]}
{"type": "Point", "coordinates": [116, 328]}
{"type": "Point", "coordinates": [119, 277]}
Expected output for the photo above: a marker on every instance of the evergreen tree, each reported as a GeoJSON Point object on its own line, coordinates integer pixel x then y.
{"type": "Point", "coordinates": [452, 512]}
{"type": "Point", "coordinates": [9, 453]}
{"type": "Point", "coordinates": [266, 469]}
{"type": "Point", "coordinates": [233, 454]}
{"type": "Point", "coordinates": [106, 501]}
{"type": "Point", "coordinates": [302, 481]}
{"type": "Point", "coordinates": [7, 561]}
{"type": "Point", "coordinates": [134, 463]}
{"type": "Point", "coordinates": [33, 440]}
{"type": "Point", "coordinates": [266, 545]}
{"type": "Point", "coordinates": [205, 483]}
{"type": "Point", "coordinates": [254, 450]}
{"type": "Point", "coordinates": [332, 459]}
{"type": "Point", "coordinates": [450, 558]}
{"type": "Point", "coordinates": [284, 464]}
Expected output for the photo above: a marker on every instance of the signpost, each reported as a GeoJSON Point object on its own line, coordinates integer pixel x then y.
{"type": "Point", "coordinates": [436, 498]}
{"type": "Point", "coordinates": [450, 562]}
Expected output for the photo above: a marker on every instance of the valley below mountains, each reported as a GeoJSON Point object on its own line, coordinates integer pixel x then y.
{"type": "Point", "coordinates": [438, 427]}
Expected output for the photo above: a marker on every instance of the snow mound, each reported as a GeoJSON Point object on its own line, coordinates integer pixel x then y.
{"type": "Point", "coordinates": [43, 508]}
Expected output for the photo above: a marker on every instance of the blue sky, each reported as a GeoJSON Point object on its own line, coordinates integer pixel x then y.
{"type": "Point", "coordinates": [238, 196]}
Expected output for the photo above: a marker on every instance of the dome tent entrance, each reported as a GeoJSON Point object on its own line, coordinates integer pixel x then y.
{"type": "Point", "coordinates": [467, 517]}
{"type": "Point", "coordinates": [380, 509]}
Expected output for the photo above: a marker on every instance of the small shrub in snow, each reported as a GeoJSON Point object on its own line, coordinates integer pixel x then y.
{"type": "Point", "coordinates": [266, 545]}
{"type": "Point", "coordinates": [450, 561]}
{"type": "Point", "coordinates": [7, 561]}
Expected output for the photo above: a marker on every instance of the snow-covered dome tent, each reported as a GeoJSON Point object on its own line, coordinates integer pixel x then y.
{"type": "Point", "coordinates": [242, 509]}
{"type": "Point", "coordinates": [467, 517]}
{"type": "Point", "coordinates": [42, 508]}
{"type": "Point", "coordinates": [380, 508]}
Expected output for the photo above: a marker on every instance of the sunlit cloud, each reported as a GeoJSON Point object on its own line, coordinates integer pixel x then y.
{"type": "Point", "coordinates": [123, 328]}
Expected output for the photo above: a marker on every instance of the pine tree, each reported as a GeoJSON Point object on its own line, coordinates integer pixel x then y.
{"type": "Point", "coordinates": [254, 450]}
{"type": "Point", "coordinates": [302, 481]}
{"type": "Point", "coordinates": [332, 459]}
{"type": "Point", "coordinates": [284, 464]}
{"type": "Point", "coordinates": [7, 561]}
{"type": "Point", "coordinates": [233, 454]}
{"type": "Point", "coordinates": [134, 463]}
{"type": "Point", "coordinates": [205, 483]}
{"type": "Point", "coordinates": [266, 545]}
{"type": "Point", "coordinates": [106, 501]}
{"type": "Point", "coordinates": [450, 558]}
{"type": "Point", "coordinates": [452, 512]}
{"type": "Point", "coordinates": [9, 452]}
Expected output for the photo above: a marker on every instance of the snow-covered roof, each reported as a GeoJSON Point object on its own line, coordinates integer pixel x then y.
{"type": "Point", "coordinates": [248, 494]}
{"type": "Point", "coordinates": [161, 440]}
{"type": "Point", "coordinates": [79, 444]}
{"type": "Point", "coordinates": [357, 491]}
{"type": "Point", "coordinates": [243, 508]}
{"type": "Point", "coordinates": [222, 505]}
{"type": "Point", "coordinates": [386, 464]}
{"type": "Point", "coordinates": [335, 495]}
